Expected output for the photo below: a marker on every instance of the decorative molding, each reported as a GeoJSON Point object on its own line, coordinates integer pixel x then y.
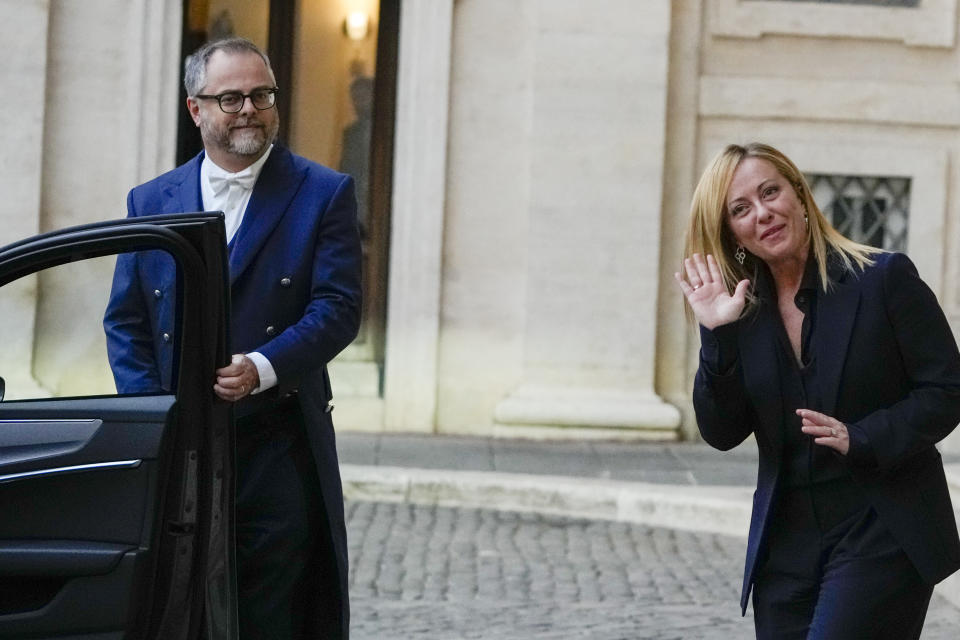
{"type": "Point", "coordinates": [837, 100]}
{"type": "Point", "coordinates": [932, 24]}
{"type": "Point", "coordinates": [416, 240]}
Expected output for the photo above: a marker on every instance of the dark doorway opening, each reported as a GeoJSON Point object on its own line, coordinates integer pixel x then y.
{"type": "Point", "coordinates": [337, 106]}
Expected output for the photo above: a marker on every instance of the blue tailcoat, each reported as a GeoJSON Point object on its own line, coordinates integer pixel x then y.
{"type": "Point", "coordinates": [295, 298]}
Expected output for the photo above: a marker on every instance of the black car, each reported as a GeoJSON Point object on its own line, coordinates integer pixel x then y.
{"type": "Point", "coordinates": [116, 511]}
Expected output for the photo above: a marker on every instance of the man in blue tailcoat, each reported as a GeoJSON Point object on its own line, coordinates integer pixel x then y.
{"type": "Point", "coordinates": [295, 292]}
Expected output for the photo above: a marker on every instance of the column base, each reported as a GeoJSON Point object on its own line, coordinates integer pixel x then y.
{"type": "Point", "coordinates": [547, 412]}
{"type": "Point", "coordinates": [355, 378]}
{"type": "Point", "coordinates": [358, 413]}
{"type": "Point", "coordinates": [358, 405]}
{"type": "Point", "coordinates": [23, 386]}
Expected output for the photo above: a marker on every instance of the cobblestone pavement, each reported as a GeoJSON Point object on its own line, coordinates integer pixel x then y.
{"type": "Point", "coordinates": [435, 573]}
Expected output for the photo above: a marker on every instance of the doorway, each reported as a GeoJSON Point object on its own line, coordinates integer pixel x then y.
{"type": "Point", "coordinates": [335, 62]}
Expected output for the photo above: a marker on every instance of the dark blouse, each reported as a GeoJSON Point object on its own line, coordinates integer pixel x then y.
{"type": "Point", "coordinates": [804, 463]}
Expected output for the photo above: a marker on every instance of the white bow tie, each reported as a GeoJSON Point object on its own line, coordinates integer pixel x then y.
{"type": "Point", "coordinates": [222, 182]}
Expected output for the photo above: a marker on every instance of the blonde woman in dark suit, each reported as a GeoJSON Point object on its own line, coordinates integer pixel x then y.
{"type": "Point", "coordinates": [838, 358]}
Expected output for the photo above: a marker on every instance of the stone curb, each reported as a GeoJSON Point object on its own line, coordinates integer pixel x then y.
{"type": "Point", "coordinates": [711, 509]}
{"type": "Point", "coordinates": [708, 509]}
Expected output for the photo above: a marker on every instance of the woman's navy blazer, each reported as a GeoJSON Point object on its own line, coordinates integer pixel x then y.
{"type": "Point", "coordinates": [890, 370]}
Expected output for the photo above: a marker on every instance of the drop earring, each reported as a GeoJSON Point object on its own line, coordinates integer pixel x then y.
{"type": "Point", "coordinates": [740, 254]}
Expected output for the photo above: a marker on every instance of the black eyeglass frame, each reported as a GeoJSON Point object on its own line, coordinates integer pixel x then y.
{"type": "Point", "coordinates": [272, 91]}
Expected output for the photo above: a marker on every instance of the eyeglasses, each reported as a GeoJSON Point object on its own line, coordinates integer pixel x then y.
{"type": "Point", "coordinates": [232, 101]}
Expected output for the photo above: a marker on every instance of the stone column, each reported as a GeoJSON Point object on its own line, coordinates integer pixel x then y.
{"type": "Point", "coordinates": [110, 110]}
{"type": "Point", "coordinates": [596, 175]}
{"type": "Point", "coordinates": [416, 240]}
{"type": "Point", "coordinates": [23, 30]}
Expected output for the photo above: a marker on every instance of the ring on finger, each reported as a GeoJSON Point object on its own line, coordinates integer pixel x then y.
{"type": "Point", "coordinates": [833, 432]}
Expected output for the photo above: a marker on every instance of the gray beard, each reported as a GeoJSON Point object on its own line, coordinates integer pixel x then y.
{"type": "Point", "coordinates": [247, 143]}
{"type": "Point", "coordinates": [251, 142]}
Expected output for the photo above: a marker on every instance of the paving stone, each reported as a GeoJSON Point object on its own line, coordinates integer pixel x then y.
{"type": "Point", "coordinates": [435, 573]}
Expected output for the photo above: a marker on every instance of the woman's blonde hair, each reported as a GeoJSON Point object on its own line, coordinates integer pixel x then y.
{"type": "Point", "coordinates": [709, 232]}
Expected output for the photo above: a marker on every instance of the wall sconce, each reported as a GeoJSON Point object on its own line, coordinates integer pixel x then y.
{"type": "Point", "coordinates": [356, 25]}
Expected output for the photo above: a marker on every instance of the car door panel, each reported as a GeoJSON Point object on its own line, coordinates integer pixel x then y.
{"type": "Point", "coordinates": [74, 552]}
{"type": "Point", "coordinates": [132, 427]}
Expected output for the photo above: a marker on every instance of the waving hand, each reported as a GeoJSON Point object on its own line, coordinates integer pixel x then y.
{"type": "Point", "coordinates": [706, 293]}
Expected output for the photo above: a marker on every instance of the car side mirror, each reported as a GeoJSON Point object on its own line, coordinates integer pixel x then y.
{"type": "Point", "coordinates": [3, 387]}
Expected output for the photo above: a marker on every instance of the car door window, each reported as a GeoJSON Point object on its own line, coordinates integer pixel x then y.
{"type": "Point", "coordinates": [52, 326]}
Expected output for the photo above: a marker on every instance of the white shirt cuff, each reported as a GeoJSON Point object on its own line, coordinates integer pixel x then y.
{"type": "Point", "coordinates": [268, 377]}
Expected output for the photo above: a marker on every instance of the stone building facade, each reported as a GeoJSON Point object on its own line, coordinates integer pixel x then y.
{"type": "Point", "coordinates": [544, 156]}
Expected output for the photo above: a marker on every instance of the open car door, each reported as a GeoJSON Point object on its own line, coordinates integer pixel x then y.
{"type": "Point", "coordinates": [115, 510]}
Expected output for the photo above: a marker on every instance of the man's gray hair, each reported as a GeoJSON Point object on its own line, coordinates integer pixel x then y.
{"type": "Point", "coordinates": [195, 66]}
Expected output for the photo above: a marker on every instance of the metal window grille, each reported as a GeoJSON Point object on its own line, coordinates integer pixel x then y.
{"type": "Point", "coordinates": [873, 210]}
{"type": "Point", "coordinates": [880, 3]}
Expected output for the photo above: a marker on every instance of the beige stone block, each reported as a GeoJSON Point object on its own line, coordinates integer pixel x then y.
{"type": "Point", "coordinates": [932, 24]}
{"type": "Point", "coordinates": [934, 103]}
{"type": "Point", "coordinates": [589, 61]}
{"type": "Point", "coordinates": [614, 17]}
{"type": "Point", "coordinates": [23, 31]}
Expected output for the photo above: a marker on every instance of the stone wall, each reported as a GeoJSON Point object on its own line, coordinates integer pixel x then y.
{"type": "Point", "coordinates": [94, 115]}
{"type": "Point", "coordinates": [546, 151]}
{"type": "Point", "coordinates": [843, 89]}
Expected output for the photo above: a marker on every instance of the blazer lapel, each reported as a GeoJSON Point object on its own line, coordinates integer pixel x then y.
{"type": "Point", "coordinates": [272, 195]}
{"type": "Point", "coordinates": [837, 310]}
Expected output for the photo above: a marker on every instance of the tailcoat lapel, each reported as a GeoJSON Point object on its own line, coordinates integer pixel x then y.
{"type": "Point", "coordinates": [272, 195]}
{"type": "Point", "coordinates": [182, 192]}
{"type": "Point", "coordinates": [836, 313]}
